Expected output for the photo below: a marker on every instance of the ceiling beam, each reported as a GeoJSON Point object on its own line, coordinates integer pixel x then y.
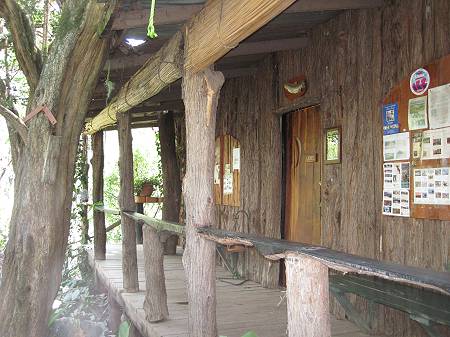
{"type": "Point", "coordinates": [245, 48]}
{"type": "Point", "coordinates": [164, 15]}
{"type": "Point", "coordinates": [176, 14]}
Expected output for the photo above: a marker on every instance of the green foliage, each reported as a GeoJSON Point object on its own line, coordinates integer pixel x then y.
{"type": "Point", "coordinates": [76, 294]}
{"type": "Point", "coordinates": [71, 17]}
{"type": "Point", "coordinates": [141, 171]}
{"type": "Point", "coordinates": [124, 329]}
{"type": "Point", "coordinates": [3, 240]}
{"type": "Point", "coordinates": [248, 334]}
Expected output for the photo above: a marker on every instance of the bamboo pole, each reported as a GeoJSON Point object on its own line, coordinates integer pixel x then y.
{"type": "Point", "coordinates": [222, 24]}
{"type": "Point", "coordinates": [162, 69]}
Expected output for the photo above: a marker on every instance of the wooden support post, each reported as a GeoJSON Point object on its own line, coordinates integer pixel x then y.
{"type": "Point", "coordinates": [126, 202]}
{"type": "Point", "coordinates": [200, 94]}
{"type": "Point", "coordinates": [171, 177]}
{"type": "Point", "coordinates": [97, 196]}
{"type": "Point", "coordinates": [155, 304]}
{"type": "Point", "coordinates": [84, 185]}
{"type": "Point", "coordinates": [307, 297]}
{"type": "Point", "coordinates": [139, 234]}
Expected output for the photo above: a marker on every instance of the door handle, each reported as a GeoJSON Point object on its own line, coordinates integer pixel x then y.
{"type": "Point", "coordinates": [299, 151]}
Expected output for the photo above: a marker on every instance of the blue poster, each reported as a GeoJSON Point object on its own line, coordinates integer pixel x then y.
{"type": "Point", "coordinates": [390, 119]}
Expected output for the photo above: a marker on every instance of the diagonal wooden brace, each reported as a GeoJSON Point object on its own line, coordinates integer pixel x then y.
{"type": "Point", "coordinates": [46, 112]}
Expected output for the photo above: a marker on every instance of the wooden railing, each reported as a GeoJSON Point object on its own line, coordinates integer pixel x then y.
{"type": "Point", "coordinates": [307, 273]}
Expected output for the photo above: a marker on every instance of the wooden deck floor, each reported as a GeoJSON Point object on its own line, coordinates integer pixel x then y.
{"type": "Point", "coordinates": [240, 308]}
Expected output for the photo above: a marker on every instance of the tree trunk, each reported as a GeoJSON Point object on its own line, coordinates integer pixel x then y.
{"type": "Point", "coordinates": [307, 297]}
{"type": "Point", "coordinates": [40, 219]}
{"type": "Point", "coordinates": [200, 94]}
{"type": "Point", "coordinates": [97, 195]}
{"type": "Point", "coordinates": [84, 187]}
{"type": "Point", "coordinates": [155, 304]}
{"type": "Point", "coordinates": [171, 177]}
{"type": "Point", "coordinates": [126, 202]}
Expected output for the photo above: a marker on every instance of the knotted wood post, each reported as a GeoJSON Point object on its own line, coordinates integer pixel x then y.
{"type": "Point", "coordinates": [97, 195]}
{"type": "Point", "coordinates": [171, 177]}
{"type": "Point", "coordinates": [126, 202]}
{"type": "Point", "coordinates": [200, 95]}
{"type": "Point", "coordinates": [307, 297]}
{"type": "Point", "coordinates": [155, 304]}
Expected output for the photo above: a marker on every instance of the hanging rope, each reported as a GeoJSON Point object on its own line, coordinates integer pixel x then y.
{"type": "Point", "coordinates": [151, 33]}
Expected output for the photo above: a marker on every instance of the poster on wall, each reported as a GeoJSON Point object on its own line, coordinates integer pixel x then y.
{"type": "Point", "coordinates": [436, 144]}
{"type": "Point", "coordinates": [417, 113]}
{"type": "Point", "coordinates": [236, 158]}
{"type": "Point", "coordinates": [396, 189]}
{"type": "Point", "coordinates": [417, 145]}
{"type": "Point", "coordinates": [396, 146]}
{"type": "Point", "coordinates": [396, 175]}
{"type": "Point", "coordinates": [439, 106]}
{"type": "Point", "coordinates": [431, 186]}
{"type": "Point", "coordinates": [396, 202]}
{"type": "Point", "coordinates": [227, 180]}
{"type": "Point", "coordinates": [390, 119]}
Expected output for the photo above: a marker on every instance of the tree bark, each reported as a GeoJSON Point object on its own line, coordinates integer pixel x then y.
{"type": "Point", "coordinates": [155, 304]}
{"type": "Point", "coordinates": [307, 297]}
{"type": "Point", "coordinates": [97, 195]}
{"type": "Point", "coordinates": [139, 230]}
{"type": "Point", "coordinates": [40, 219]}
{"type": "Point", "coordinates": [126, 202]}
{"type": "Point", "coordinates": [85, 186]}
{"type": "Point", "coordinates": [171, 177]}
{"type": "Point", "coordinates": [200, 95]}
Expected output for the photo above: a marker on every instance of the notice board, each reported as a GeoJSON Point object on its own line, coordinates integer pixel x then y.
{"type": "Point", "coordinates": [426, 138]}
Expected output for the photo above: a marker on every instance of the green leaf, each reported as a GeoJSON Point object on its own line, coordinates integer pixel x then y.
{"type": "Point", "coordinates": [250, 334]}
{"type": "Point", "coordinates": [124, 329]}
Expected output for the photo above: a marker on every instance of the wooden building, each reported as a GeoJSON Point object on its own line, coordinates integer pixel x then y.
{"type": "Point", "coordinates": [316, 66]}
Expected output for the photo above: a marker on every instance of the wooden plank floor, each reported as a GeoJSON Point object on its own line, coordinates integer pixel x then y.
{"type": "Point", "coordinates": [239, 307]}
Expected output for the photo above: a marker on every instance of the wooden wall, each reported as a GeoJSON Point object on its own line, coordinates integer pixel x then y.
{"type": "Point", "coordinates": [245, 112]}
{"type": "Point", "coordinates": [351, 64]}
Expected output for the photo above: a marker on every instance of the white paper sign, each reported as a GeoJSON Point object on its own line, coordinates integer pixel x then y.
{"type": "Point", "coordinates": [217, 174]}
{"type": "Point", "coordinates": [431, 186]}
{"type": "Point", "coordinates": [436, 144]}
{"type": "Point", "coordinates": [396, 202]}
{"type": "Point", "coordinates": [227, 180]}
{"type": "Point", "coordinates": [396, 146]}
{"type": "Point", "coordinates": [417, 113]}
{"type": "Point", "coordinates": [236, 158]}
{"type": "Point", "coordinates": [439, 106]}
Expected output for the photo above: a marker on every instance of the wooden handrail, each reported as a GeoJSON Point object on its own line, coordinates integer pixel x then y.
{"type": "Point", "coordinates": [276, 249]}
{"type": "Point", "coordinates": [158, 225]}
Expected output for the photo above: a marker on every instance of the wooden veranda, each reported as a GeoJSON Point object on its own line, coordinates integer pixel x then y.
{"type": "Point", "coordinates": [241, 306]}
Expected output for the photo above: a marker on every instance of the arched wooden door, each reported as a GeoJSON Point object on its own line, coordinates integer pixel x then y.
{"type": "Point", "coordinates": [303, 176]}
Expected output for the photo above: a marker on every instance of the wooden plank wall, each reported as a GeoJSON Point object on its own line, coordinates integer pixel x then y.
{"type": "Point", "coordinates": [245, 112]}
{"type": "Point", "coordinates": [351, 63]}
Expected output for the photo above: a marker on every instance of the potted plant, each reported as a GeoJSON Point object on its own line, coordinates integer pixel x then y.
{"type": "Point", "coordinates": [144, 187]}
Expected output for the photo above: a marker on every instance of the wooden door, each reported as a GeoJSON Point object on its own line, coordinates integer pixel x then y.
{"type": "Point", "coordinates": [302, 221]}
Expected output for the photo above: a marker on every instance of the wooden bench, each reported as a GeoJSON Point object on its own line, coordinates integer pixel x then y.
{"type": "Point", "coordinates": [423, 306]}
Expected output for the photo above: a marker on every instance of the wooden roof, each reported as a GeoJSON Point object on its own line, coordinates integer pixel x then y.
{"type": "Point", "coordinates": [287, 31]}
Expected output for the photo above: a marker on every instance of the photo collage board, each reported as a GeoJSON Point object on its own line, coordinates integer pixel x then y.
{"type": "Point", "coordinates": [416, 144]}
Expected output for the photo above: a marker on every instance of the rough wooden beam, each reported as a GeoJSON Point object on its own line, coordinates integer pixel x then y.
{"type": "Point", "coordinates": [155, 304]}
{"type": "Point", "coordinates": [332, 5]}
{"type": "Point", "coordinates": [126, 202]}
{"type": "Point", "coordinates": [173, 14]}
{"type": "Point", "coordinates": [200, 94]}
{"type": "Point", "coordinates": [340, 261]}
{"type": "Point", "coordinates": [307, 293]}
{"type": "Point", "coordinates": [263, 47]}
{"type": "Point", "coordinates": [162, 69]}
{"type": "Point", "coordinates": [245, 48]}
{"type": "Point", "coordinates": [97, 196]}
{"type": "Point", "coordinates": [164, 15]}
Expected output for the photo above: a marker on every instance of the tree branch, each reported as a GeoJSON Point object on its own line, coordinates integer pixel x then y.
{"type": "Point", "coordinates": [15, 122]}
{"type": "Point", "coordinates": [28, 55]}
